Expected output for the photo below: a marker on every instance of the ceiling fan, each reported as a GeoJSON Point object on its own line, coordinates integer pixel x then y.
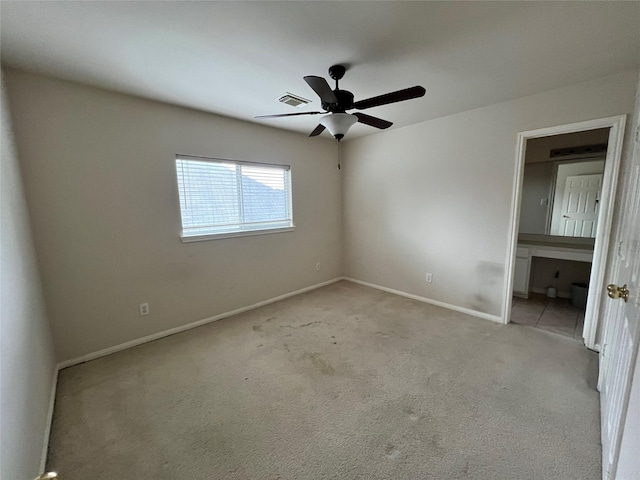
{"type": "Point", "coordinates": [336, 102]}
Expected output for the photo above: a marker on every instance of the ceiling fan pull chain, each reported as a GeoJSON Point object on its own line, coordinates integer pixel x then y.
{"type": "Point", "coordinates": [339, 152]}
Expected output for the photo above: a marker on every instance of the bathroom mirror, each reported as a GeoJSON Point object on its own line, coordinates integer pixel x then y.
{"type": "Point", "coordinates": [562, 185]}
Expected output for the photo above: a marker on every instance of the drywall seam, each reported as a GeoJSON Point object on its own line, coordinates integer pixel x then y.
{"type": "Point", "coordinates": [468, 311]}
{"type": "Point", "coordinates": [188, 326]}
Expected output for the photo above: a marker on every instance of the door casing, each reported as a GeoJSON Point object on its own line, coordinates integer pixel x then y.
{"type": "Point", "coordinates": [616, 127]}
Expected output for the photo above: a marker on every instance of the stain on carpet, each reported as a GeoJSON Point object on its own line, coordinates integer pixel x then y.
{"type": "Point", "coordinates": [319, 362]}
{"type": "Point", "coordinates": [411, 414]}
{"type": "Point", "coordinates": [391, 451]}
{"type": "Point", "coordinates": [304, 325]}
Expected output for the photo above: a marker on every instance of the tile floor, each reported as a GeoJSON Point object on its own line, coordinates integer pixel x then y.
{"type": "Point", "coordinates": [555, 315]}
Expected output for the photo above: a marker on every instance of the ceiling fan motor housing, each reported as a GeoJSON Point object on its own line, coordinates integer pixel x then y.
{"type": "Point", "coordinates": [345, 102]}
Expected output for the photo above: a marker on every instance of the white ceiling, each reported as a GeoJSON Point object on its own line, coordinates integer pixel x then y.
{"type": "Point", "coordinates": [236, 58]}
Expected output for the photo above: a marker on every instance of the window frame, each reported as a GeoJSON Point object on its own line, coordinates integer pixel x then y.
{"type": "Point", "coordinates": [199, 237]}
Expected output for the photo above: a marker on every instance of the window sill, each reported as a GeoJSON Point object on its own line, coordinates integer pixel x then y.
{"type": "Point", "coordinates": [245, 233]}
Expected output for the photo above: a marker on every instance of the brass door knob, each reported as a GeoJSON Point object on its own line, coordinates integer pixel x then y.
{"type": "Point", "coordinates": [617, 292]}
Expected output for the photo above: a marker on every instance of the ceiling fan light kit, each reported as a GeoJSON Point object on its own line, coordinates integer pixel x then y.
{"type": "Point", "coordinates": [338, 123]}
{"type": "Point", "coordinates": [336, 102]}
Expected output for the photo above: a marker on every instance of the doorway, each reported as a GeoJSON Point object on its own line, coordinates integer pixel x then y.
{"type": "Point", "coordinates": [615, 126]}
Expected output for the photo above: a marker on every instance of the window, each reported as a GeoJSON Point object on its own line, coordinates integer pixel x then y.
{"type": "Point", "coordinates": [225, 198]}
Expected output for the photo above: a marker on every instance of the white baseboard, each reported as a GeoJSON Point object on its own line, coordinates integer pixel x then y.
{"type": "Point", "coordinates": [188, 326]}
{"type": "Point", "coordinates": [468, 311]}
{"type": "Point", "coordinates": [204, 321]}
{"type": "Point", "coordinates": [49, 420]}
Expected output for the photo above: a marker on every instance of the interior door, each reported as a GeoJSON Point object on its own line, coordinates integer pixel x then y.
{"type": "Point", "coordinates": [618, 355]}
{"type": "Point", "coordinates": [580, 205]}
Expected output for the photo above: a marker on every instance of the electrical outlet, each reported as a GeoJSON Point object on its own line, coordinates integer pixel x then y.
{"type": "Point", "coordinates": [318, 266]}
{"type": "Point", "coordinates": [544, 201]}
{"type": "Point", "coordinates": [429, 278]}
{"type": "Point", "coordinates": [144, 309]}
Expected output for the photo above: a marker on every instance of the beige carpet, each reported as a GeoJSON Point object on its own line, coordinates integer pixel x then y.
{"type": "Point", "coordinates": [343, 382]}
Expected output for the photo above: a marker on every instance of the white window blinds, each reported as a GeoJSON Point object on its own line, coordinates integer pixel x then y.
{"type": "Point", "coordinates": [222, 197]}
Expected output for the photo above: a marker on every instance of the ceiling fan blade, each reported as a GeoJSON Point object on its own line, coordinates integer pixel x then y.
{"type": "Point", "coordinates": [373, 121]}
{"type": "Point", "coordinates": [317, 131]}
{"type": "Point", "coordinates": [289, 114]}
{"type": "Point", "coordinates": [398, 96]}
{"type": "Point", "coordinates": [322, 88]}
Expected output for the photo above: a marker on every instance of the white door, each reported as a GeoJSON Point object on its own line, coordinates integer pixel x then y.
{"type": "Point", "coordinates": [621, 323]}
{"type": "Point", "coordinates": [580, 205]}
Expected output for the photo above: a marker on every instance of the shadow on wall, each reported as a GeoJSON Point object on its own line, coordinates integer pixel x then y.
{"type": "Point", "coordinates": [489, 278]}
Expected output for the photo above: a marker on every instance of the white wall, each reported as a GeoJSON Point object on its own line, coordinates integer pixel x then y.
{"type": "Point", "coordinates": [99, 172]}
{"type": "Point", "coordinates": [435, 197]}
{"type": "Point", "coordinates": [537, 184]}
{"type": "Point", "coordinates": [26, 348]}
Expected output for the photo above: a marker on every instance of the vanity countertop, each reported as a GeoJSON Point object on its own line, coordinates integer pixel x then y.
{"type": "Point", "coordinates": [542, 243]}
{"type": "Point", "coordinates": [550, 241]}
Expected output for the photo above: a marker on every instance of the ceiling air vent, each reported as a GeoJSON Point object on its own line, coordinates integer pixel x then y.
{"type": "Point", "coordinates": [293, 100]}
{"type": "Point", "coordinates": [579, 152]}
